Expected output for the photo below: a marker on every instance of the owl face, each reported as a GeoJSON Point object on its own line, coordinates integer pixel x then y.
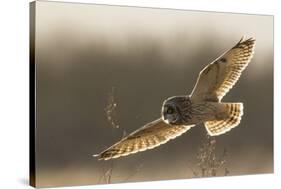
{"type": "Point", "coordinates": [172, 110]}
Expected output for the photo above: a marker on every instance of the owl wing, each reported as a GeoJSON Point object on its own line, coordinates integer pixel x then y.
{"type": "Point", "coordinates": [147, 137]}
{"type": "Point", "coordinates": [217, 78]}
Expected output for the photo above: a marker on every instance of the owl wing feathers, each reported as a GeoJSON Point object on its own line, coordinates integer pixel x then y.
{"type": "Point", "coordinates": [217, 78]}
{"type": "Point", "coordinates": [147, 137]}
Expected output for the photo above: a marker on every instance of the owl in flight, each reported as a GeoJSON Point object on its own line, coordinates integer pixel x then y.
{"type": "Point", "coordinates": [203, 105]}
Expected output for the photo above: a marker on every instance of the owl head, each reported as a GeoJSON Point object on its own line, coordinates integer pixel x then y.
{"type": "Point", "coordinates": [173, 110]}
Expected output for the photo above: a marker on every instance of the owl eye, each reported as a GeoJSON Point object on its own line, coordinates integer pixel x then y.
{"type": "Point", "coordinates": [170, 110]}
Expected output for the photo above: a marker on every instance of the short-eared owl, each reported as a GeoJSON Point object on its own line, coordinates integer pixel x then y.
{"type": "Point", "coordinates": [180, 113]}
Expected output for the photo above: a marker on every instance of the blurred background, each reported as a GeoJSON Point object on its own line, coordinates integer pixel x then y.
{"type": "Point", "coordinates": [95, 62]}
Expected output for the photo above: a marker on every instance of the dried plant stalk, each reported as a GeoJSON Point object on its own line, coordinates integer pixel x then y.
{"type": "Point", "coordinates": [209, 163]}
{"type": "Point", "coordinates": [110, 109]}
{"type": "Point", "coordinates": [109, 166]}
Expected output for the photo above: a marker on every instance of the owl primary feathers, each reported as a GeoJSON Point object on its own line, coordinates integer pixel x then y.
{"type": "Point", "coordinates": [203, 105]}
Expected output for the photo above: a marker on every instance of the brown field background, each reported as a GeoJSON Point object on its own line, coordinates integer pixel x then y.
{"type": "Point", "coordinates": [146, 55]}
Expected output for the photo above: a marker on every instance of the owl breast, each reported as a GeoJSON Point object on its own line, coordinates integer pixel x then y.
{"type": "Point", "coordinates": [180, 110]}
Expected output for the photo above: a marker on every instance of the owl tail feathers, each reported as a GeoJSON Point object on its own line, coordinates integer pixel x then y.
{"type": "Point", "coordinates": [218, 127]}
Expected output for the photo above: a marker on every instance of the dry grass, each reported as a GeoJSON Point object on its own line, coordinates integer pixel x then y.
{"type": "Point", "coordinates": [209, 163]}
{"type": "Point", "coordinates": [106, 173]}
{"type": "Point", "coordinates": [110, 109]}
{"type": "Point", "coordinates": [110, 166]}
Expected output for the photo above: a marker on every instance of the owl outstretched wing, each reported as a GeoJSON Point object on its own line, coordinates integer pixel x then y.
{"type": "Point", "coordinates": [217, 78]}
{"type": "Point", "coordinates": [147, 137]}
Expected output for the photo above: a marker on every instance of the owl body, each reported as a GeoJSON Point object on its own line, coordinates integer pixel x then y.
{"type": "Point", "coordinates": [182, 110]}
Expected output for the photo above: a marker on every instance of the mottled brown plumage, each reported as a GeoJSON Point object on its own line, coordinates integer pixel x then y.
{"type": "Point", "coordinates": [180, 113]}
{"type": "Point", "coordinates": [149, 136]}
{"type": "Point", "coordinates": [217, 78]}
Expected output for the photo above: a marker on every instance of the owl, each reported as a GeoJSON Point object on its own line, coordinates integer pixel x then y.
{"type": "Point", "coordinates": [202, 106]}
